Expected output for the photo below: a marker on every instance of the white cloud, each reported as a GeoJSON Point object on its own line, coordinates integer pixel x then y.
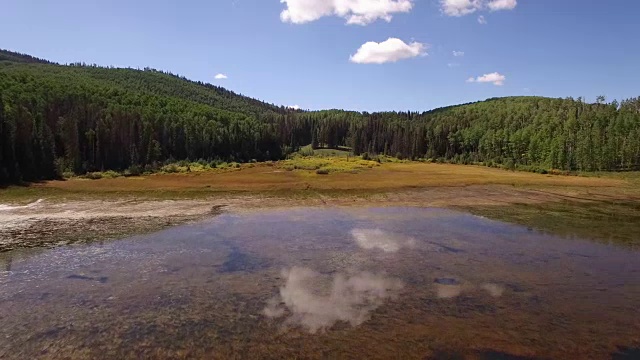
{"type": "Point", "coordinates": [390, 50]}
{"type": "Point", "coordinates": [294, 107]}
{"type": "Point", "coordinates": [460, 7]}
{"type": "Point", "coordinates": [221, 77]}
{"type": "Point", "coordinates": [466, 7]}
{"type": "Point", "coordinates": [356, 12]}
{"type": "Point", "coordinates": [482, 20]}
{"type": "Point", "coordinates": [458, 53]}
{"type": "Point", "coordinates": [495, 78]}
{"type": "Point", "coordinates": [496, 5]}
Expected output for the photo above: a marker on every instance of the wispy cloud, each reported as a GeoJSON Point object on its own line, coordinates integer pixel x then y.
{"type": "Point", "coordinates": [482, 20]}
{"type": "Point", "coordinates": [466, 7]}
{"type": "Point", "coordinates": [458, 53]}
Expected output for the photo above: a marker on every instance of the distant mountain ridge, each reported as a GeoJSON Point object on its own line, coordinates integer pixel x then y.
{"type": "Point", "coordinates": [159, 82]}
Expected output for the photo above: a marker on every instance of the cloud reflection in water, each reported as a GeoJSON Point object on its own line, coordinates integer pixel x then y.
{"type": "Point", "coordinates": [316, 302]}
{"type": "Point", "coordinates": [370, 239]}
{"type": "Point", "coordinates": [448, 291]}
{"type": "Point", "coordinates": [494, 290]}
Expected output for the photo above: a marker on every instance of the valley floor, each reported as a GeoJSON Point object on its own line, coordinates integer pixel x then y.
{"type": "Point", "coordinates": [603, 207]}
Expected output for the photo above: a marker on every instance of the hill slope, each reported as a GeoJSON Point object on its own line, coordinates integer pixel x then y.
{"type": "Point", "coordinates": [56, 118]}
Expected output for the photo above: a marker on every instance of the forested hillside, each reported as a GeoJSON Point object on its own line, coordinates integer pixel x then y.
{"type": "Point", "coordinates": [78, 118]}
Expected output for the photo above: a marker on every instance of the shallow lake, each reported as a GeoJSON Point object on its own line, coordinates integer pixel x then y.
{"type": "Point", "coordinates": [399, 283]}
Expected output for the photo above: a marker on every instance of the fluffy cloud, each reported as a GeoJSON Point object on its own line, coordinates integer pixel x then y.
{"type": "Point", "coordinates": [466, 7]}
{"type": "Point", "coordinates": [458, 53]}
{"type": "Point", "coordinates": [495, 78]}
{"type": "Point", "coordinates": [221, 77]}
{"type": "Point", "coordinates": [390, 50]}
{"type": "Point", "coordinates": [357, 12]}
{"type": "Point", "coordinates": [496, 5]}
{"type": "Point", "coordinates": [482, 20]}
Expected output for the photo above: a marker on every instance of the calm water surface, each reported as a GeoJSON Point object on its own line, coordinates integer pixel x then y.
{"type": "Point", "coordinates": [393, 283]}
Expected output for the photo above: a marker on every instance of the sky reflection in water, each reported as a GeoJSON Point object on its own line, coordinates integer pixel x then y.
{"type": "Point", "coordinates": [313, 283]}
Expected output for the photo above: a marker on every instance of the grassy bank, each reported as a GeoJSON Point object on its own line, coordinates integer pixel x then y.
{"type": "Point", "coordinates": [604, 206]}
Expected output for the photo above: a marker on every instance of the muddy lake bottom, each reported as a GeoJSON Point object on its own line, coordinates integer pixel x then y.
{"type": "Point", "coordinates": [387, 283]}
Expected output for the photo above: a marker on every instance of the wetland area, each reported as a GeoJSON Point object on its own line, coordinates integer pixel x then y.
{"type": "Point", "coordinates": [493, 265]}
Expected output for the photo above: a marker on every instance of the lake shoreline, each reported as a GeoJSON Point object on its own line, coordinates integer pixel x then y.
{"type": "Point", "coordinates": [57, 221]}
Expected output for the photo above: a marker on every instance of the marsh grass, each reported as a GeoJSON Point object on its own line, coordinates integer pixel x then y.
{"type": "Point", "coordinates": [327, 165]}
{"type": "Point", "coordinates": [614, 222]}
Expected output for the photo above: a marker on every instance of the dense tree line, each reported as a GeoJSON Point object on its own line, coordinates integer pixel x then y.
{"type": "Point", "coordinates": [79, 118]}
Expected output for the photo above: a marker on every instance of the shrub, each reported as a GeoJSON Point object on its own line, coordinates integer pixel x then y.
{"type": "Point", "coordinates": [149, 168]}
{"type": "Point", "coordinates": [365, 156]}
{"type": "Point", "coordinates": [171, 169]}
{"type": "Point", "coordinates": [307, 151]}
{"type": "Point", "coordinates": [322, 171]}
{"type": "Point", "coordinates": [133, 170]}
{"type": "Point", "coordinates": [510, 165]}
{"type": "Point", "coordinates": [68, 174]}
{"type": "Point", "coordinates": [94, 175]}
{"type": "Point", "coordinates": [110, 174]}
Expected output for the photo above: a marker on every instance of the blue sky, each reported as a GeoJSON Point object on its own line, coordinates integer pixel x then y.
{"type": "Point", "coordinates": [554, 48]}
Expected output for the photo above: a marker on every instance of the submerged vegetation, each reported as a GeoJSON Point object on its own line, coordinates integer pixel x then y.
{"type": "Point", "coordinates": [58, 120]}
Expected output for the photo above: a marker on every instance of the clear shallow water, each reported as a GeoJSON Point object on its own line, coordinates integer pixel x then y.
{"type": "Point", "coordinates": [325, 283]}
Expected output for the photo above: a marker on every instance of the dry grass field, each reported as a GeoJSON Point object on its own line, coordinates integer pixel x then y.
{"type": "Point", "coordinates": [277, 178]}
